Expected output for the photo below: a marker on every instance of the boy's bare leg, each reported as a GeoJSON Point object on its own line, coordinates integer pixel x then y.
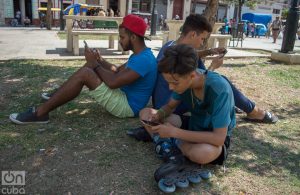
{"type": "Point", "coordinates": [200, 153]}
{"type": "Point", "coordinates": [70, 89]}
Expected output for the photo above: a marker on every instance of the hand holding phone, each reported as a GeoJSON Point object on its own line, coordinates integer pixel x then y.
{"type": "Point", "coordinates": [223, 54]}
{"type": "Point", "coordinates": [150, 123]}
{"type": "Point", "coordinates": [85, 44]}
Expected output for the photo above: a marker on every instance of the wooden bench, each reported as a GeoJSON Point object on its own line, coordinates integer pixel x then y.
{"type": "Point", "coordinates": [222, 40]}
{"type": "Point", "coordinates": [111, 40]}
{"type": "Point", "coordinates": [105, 24]}
{"type": "Point", "coordinates": [70, 34]}
{"type": "Point", "coordinates": [175, 28]}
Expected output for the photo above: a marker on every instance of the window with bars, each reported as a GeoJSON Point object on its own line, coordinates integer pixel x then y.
{"type": "Point", "coordinates": [276, 11]}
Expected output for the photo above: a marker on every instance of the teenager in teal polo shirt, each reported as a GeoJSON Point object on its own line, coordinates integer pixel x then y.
{"type": "Point", "coordinates": [209, 99]}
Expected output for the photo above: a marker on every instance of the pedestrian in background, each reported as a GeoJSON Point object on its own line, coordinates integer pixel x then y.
{"type": "Point", "coordinates": [276, 28]}
{"type": "Point", "coordinates": [253, 29]}
{"type": "Point", "coordinates": [268, 33]}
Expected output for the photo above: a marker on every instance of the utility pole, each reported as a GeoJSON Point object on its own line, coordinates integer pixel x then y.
{"type": "Point", "coordinates": [153, 19]}
{"type": "Point", "coordinates": [62, 25]}
{"type": "Point", "coordinates": [289, 34]}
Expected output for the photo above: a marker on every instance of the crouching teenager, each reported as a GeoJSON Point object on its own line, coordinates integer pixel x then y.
{"type": "Point", "coordinates": [206, 137]}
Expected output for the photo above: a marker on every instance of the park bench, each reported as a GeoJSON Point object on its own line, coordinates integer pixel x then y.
{"type": "Point", "coordinates": [215, 40]}
{"type": "Point", "coordinates": [218, 40]}
{"type": "Point", "coordinates": [105, 24]}
{"type": "Point", "coordinates": [100, 28]}
{"type": "Point", "coordinates": [112, 34]}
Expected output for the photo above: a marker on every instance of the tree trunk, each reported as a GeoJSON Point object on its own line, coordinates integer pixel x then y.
{"type": "Point", "coordinates": [210, 13]}
{"type": "Point", "coordinates": [126, 12]}
{"type": "Point", "coordinates": [235, 13]}
{"type": "Point", "coordinates": [49, 15]}
{"type": "Point", "coordinates": [240, 11]}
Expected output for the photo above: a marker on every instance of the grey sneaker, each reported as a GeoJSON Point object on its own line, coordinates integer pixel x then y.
{"type": "Point", "coordinates": [48, 95]}
{"type": "Point", "coordinates": [28, 117]}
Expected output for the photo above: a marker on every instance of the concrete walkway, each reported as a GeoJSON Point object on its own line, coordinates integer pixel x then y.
{"type": "Point", "coordinates": [35, 43]}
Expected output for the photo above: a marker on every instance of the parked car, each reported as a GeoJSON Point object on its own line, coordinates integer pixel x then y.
{"type": "Point", "coordinates": [262, 29]}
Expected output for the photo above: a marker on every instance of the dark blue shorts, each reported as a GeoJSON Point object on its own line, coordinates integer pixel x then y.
{"type": "Point", "coordinates": [241, 101]}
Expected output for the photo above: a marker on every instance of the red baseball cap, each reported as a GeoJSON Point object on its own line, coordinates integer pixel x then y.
{"type": "Point", "coordinates": [135, 24]}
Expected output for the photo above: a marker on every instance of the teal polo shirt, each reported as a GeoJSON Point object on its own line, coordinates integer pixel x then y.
{"type": "Point", "coordinates": [217, 108]}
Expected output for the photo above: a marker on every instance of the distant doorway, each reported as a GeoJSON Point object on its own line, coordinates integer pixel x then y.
{"type": "Point", "coordinates": [28, 9]}
{"type": "Point", "coordinates": [114, 4]}
{"type": "Point", "coordinates": [177, 8]}
{"type": "Point", "coordinates": [17, 7]}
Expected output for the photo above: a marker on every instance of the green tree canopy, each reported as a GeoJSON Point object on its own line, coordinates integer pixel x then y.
{"type": "Point", "coordinates": [284, 13]}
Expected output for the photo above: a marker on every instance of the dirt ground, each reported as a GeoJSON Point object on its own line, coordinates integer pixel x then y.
{"type": "Point", "coordinates": [84, 150]}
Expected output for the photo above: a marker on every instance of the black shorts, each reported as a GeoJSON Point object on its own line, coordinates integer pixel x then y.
{"type": "Point", "coordinates": [223, 156]}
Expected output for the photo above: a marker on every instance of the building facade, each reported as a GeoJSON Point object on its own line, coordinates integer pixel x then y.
{"type": "Point", "coordinates": [31, 8]}
{"type": "Point", "coordinates": [167, 8]}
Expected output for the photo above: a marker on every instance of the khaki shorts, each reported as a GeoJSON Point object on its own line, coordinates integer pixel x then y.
{"type": "Point", "coordinates": [113, 100]}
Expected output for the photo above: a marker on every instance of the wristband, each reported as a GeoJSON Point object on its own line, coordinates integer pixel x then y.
{"type": "Point", "coordinates": [95, 69]}
{"type": "Point", "coordinates": [163, 112]}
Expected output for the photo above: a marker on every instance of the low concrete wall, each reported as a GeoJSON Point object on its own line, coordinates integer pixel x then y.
{"type": "Point", "coordinates": [286, 58]}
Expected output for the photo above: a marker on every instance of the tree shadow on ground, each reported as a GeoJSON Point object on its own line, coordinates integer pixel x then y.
{"type": "Point", "coordinates": [267, 155]}
{"type": "Point", "coordinates": [94, 155]}
{"type": "Point", "coordinates": [234, 65]}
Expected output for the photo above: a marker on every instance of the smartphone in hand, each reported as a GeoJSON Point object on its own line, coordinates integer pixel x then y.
{"type": "Point", "coordinates": [85, 44]}
{"type": "Point", "coordinates": [223, 54]}
{"type": "Point", "coordinates": [150, 123]}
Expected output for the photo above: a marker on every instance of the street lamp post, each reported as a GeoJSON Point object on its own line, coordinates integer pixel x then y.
{"type": "Point", "coordinates": [153, 19]}
{"type": "Point", "coordinates": [62, 25]}
{"type": "Point", "coordinates": [291, 26]}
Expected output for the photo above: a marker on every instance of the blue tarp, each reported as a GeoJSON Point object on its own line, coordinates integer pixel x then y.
{"type": "Point", "coordinates": [74, 9]}
{"type": "Point", "coordinates": [257, 18]}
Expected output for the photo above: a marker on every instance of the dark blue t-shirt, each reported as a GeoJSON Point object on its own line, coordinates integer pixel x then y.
{"type": "Point", "coordinates": [139, 92]}
{"type": "Point", "coordinates": [216, 110]}
{"type": "Point", "coordinates": [161, 93]}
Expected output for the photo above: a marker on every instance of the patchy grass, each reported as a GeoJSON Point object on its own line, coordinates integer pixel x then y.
{"type": "Point", "coordinates": [84, 150]}
{"type": "Point", "coordinates": [290, 77]}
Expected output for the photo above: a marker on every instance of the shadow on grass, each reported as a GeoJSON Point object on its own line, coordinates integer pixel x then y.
{"type": "Point", "coordinates": [92, 145]}
{"type": "Point", "coordinates": [234, 65]}
{"type": "Point", "coordinates": [268, 158]}
{"type": "Point", "coordinates": [292, 110]}
{"type": "Point", "coordinates": [23, 82]}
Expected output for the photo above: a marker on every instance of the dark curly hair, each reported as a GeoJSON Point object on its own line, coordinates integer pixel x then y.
{"type": "Point", "coordinates": [196, 22]}
{"type": "Point", "coordinates": [179, 59]}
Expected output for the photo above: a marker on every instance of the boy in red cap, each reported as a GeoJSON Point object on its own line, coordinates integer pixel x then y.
{"type": "Point", "coordinates": [123, 91]}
